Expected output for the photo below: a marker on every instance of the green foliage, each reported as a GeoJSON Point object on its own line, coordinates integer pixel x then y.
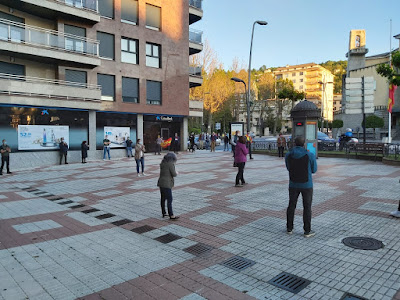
{"type": "Point", "coordinates": [386, 71]}
{"type": "Point", "coordinates": [338, 69]}
{"type": "Point", "coordinates": [337, 124]}
{"type": "Point", "coordinates": [374, 122]}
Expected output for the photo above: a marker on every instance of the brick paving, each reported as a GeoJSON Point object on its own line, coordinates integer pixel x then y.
{"type": "Point", "coordinates": [95, 231]}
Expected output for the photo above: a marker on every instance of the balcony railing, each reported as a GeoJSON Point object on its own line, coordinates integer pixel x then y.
{"type": "Point", "coordinates": [84, 4]}
{"type": "Point", "coordinates": [196, 3]}
{"type": "Point", "coordinates": [313, 74]}
{"type": "Point", "coordinates": [195, 71]}
{"type": "Point", "coordinates": [195, 36]}
{"type": "Point", "coordinates": [32, 35]}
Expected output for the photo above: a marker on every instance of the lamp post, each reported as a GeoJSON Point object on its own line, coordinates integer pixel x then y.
{"type": "Point", "coordinates": [322, 103]}
{"type": "Point", "coordinates": [235, 79]}
{"type": "Point", "coordinates": [263, 23]}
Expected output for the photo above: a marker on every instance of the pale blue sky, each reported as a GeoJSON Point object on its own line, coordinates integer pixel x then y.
{"type": "Point", "coordinates": [298, 31]}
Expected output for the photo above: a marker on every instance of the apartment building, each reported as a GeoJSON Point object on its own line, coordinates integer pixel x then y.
{"type": "Point", "coordinates": [315, 81]}
{"type": "Point", "coordinates": [84, 69]}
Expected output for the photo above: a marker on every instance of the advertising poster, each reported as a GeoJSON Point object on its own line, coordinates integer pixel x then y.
{"type": "Point", "coordinates": [117, 136]}
{"type": "Point", "coordinates": [41, 137]}
{"type": "Point", "coordinates": [237, 127]}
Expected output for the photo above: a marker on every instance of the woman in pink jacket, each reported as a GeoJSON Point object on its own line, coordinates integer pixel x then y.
{"type": "Point", "coordinates": [240, 160]}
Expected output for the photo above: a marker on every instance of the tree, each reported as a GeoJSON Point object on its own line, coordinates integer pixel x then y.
{"type": "Point", "coordinates": [373, 122]}
{"type": "Point", "coordinates": [337, 124]}
{"type": "Point", "coordinates": [390, 73]}
{"type": "Point", "coordinates": [338, 69]}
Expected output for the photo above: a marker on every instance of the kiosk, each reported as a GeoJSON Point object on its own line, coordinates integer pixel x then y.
{"type": "Point", "coordinates": [305, 116]}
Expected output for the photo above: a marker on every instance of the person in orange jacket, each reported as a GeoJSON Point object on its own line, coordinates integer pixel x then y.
{"type": "Point", "coordinates": [249, 141]}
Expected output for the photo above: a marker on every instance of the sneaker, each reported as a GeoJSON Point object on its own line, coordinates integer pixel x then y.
{"type": "Point", "coordinates": [144, 174]}
{"type": "Point", "coordinates": [395, 213]}
{"type": "Point", "coordinates": [289, 232]}
{"type": "Point", "coordinates": [238, 185]}
{"type": "Point", "coordinates": [9, 172]}
{"type": "Point", "coordinates": [309, 234]}
{"type": "Point", "coordinates": [138, 175]}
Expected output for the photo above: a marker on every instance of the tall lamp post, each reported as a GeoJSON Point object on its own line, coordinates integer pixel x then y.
{"type": "Point", "coordinates": [248, 81]}
{"type": "Point", "coordinates": [235, 79]}
{"type": "Point", "coordinates": [323, 100]}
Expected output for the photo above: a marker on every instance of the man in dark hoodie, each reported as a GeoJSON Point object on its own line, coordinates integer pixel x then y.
{"type": "Point", "coordinates": [301, 164]}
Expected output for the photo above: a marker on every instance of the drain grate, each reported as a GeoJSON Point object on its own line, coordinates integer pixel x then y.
{"type": "Point", "coordinates": [65, 202]}
{"type": "Point", "coordinates": [77, 206]}
{"type": "Point", "coordinates": [49, 195]}
{"type": "Point", "coordinates": [142, 229]}
{"type": "Point", "coordinates": [104, 216]}
{"type": "Point", "coordinates": [289, 282]}
{"type": "Point", "coordinates": [199, 249]}
{"type": "Point", "coordinates": [122, 222]}
{"type": "Point", "coordinates": [238, 263]}
{"type": "Point", "coordinates": [56, 198]}
{"type": "Point", "coordinates": [168, 238]}
{"type": "Point", "coordinates": [348, 296]}
{"type": "Point", "coordinates": [88, 211]}
{"type": "Point", "coordinates": [26, 188]}
{"type": "Point", "coordinates": [32, 190]}
{"type": "Point", "coordinates": [362, 243]}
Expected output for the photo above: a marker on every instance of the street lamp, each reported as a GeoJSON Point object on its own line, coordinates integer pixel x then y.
{"type": "Point", "coordinates": [263, 23]}
{"type": "Point", "coordinates": [322, 103]}
{"type": "Point", "coordinates": [235, 79]}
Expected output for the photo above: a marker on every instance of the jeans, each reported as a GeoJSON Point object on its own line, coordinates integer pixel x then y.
{"type": "Point", "coordinates": [63, 154]}
{"type": "Point", "coordinates": [307, 195]}
{"type": "Point", "coordinates": [166, 194]}
{"type": "Point", "coordinates": [138, 162]}
{"type": "Point", "coordinates": [5, 160]}
{"type": "Point", "coordinates": [128, 151]}
{"type": "Point", "coordinates": [106, 149]}
{"type": "Point", "coordinates": [226, 147]}
{"type": "Point", "coordinates": [281, 150]}
{"type": "Point", "coordinates": [239, 175]}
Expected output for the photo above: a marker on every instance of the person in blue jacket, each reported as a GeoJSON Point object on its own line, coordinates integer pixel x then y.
{"type": "Point", "coordinates": [301, 164]}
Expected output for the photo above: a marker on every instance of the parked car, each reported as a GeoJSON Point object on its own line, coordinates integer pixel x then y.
{"type": "Point", "coordinates": [325, 143]}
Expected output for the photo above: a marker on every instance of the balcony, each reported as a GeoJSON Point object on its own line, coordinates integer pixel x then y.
{"type": "Point", "coordinates": [313, 89]}
{"type": "Point", "coordinates": [25, 90]}
{"type": "Point", "coordinates": [195, 78]}
{"type": "Point", "coordinates": [195, 11]}
{"type": "Point", "coordinates": [195, 41]}
{"type": "Point", "coordinates": [78, 10]}
{"type": "Point", "coordinates": [313, 74]}
{"type": "Point", "coordinates": [31, 42]}
{"type": "Point", "coordinates": [195, 108]}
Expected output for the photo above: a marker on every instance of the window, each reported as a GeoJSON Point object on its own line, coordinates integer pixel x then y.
{"type": "Point", "coordinates": [107, 83]}
{"type": "Point", "coordinates": [129, 11]}
{"type": "Point", "coordinates": [129, 51]}
{"type": "Point", "coordinates": [279, 76]}
{"type": "Point", "coordinates": [301, 73]}
{"type": "Point", "coordinates": [153, 89]}
{"type": "Point", "coordinates": [106, 47]}
{"type": "Point", "coordinates": [130, 90]}
{"type": "Point", "coordinates": [16, 34]}
{"type": "Point", "coordinates": [106, 8]}
{"type": "Point", "coordinates": [293, 74]}
{"type": "Point", "coordinates": [294, 80]}
{"type": "Point", "coordinates": [76, 76]}
{"type": "Point", "coordinates": [153, 17]}
{"type": "Point", "coordinates": [301, 87]}
{"type": "Point", "coordinates": [153, 55]}
{"type": "Point", "coordinates": [301, 80]}
{"type": "Point", "coordinates": [74, 44]}
{"type": "Point", "coordinates": [12, 69]}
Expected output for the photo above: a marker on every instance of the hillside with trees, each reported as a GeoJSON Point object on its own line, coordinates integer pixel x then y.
{"type": "Point", "coordinates": [338, 69]}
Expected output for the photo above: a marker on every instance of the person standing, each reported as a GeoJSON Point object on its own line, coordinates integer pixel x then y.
{"type": "Point", "coordinates": [201, 141]}
{"type": "Point", "coordinates": [166, 183]}
{"type": "Point", "coordinates": [158, 145]}
{"type": "Point", "coordinates": [5, 157]}
{"type": "Point", "coordinates": [106, 148]}
{"type": "Point", "coordinates": [139, 157]}
{"type": "Point", "coordinates": [63, 151]}
{"type": "Point", "coordinates": [129, 143]}
{"type": "Point", "coordinates": [176, 143]}
{"type": "Point", "coordinates": [281, 143]}
{"type": "Point", "coordinates": [191, 141]}
{"type": "Point", "coordinates": [301, 164]}
{"type": "Point", "coordinates": [234, 142]}
{"type": "Point", "coordinates": [249, 141]}
{"type": "Point", "coordinates": [240, 160]}
{"type": "Point", "coordinates": [84, 150]}
{"type": "Point", "coordinates": [226, 142]}
{"type": "Point", "coordinates": [213, 141]}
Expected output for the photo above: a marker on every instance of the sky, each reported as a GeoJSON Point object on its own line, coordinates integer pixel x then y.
{"type": "Point", "coordinates": [298, 31]}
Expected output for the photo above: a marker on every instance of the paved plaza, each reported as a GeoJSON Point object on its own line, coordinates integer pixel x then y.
{"type": "Point", "coordinates": [95, 231]}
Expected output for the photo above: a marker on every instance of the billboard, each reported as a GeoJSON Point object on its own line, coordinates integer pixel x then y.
{"type": "Point", "coordinates": [239, 126]}
{"type": "Point", "coordinates": [117, 136]}
{"type": "Point", "coordinates": [41, 137]}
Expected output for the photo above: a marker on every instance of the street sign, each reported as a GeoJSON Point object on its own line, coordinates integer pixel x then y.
{"type": "Point", "coordinates": [356, 96]}
{"type": "Point", "coordinates": [217, 126]}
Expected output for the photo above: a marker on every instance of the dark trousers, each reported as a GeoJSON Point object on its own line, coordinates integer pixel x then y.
{"type": "Point", "coordinates": [397, 209]}
{"type": "Point", "coordinates": [281, 150]}
{"type": "Point", "coordinates": [139, 162]}
{"type": "Point", "coordinates": [166, 194]}
{"type": "Point", "coordinates": [307, 195]}
{"type": "Point", "coordinates": [248, 146]}
{"type": "Point", "coordinates": [239, 175]}
{"type": "Point", "coordinates": [5, 160]}
{"type": "Point", "coordinates": [158, 149]}
{"type": "Point", "coordinates": [63, 154]}
{"type": "Point", "coordinates": [176, 146]}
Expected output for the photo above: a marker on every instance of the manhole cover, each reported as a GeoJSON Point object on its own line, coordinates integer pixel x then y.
{"type": "Point", "coordinates": [289, 282]}
{"type": "Point", "coordinates": [88, 211]}
{"type": "Point", "coordinates": [238, 263]}
{"type": "Point", "coordinates": [122, 222]}
{"type": "Point", "coordinates": [77, 206]}
{"type": "Point", "coordinates": [349, 296]}
{"type": "Point", "coordinates": [168, 238]}
{"type": "Point", "coordinates": [104, 216]}
{"type": "Point", "coordinates": [142, 229]}
{"type": "Point", "coordinates": [363, 243]}
{"type": "Point", "coordinates": [65, 202]}
{"type": "Point", "coordinates": [198, 249]}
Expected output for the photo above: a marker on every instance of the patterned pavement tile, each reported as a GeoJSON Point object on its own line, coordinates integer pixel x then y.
{"type": "Point", "coordinates": [36, 226]}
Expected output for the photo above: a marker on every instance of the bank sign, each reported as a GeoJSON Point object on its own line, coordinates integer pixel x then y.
{"type": "Point", "coordinates": [164, 118]}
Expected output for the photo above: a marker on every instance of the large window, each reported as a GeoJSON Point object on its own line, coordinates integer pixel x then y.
{"type": "Point", "coordinates": [153, 90]}
{"type": "Point", "coordinates": [12, 69]}
{"type": "Point", "coordinates": [153, 54]}
{"type": "Point", "coordinates": [74, 44]}
{"type": "Point", "coordinates": [153, 17]}
{"type": "Point", "coordinates": [106, 45]}
{"type": "Point", "coordinates": [130, 90]}
{"type": "Point", "coordinates": [14, 33]}
{"type": "Point", "coordinates": [107, 83]}
{"type": "Point", "coordinates": [129, 11]}
{"type": "Point", "coordinates": [76, 76]}
{"type": "Point", "coordinates": [129, 51]}
{"type": "Point", "coordinates": [106, 8]}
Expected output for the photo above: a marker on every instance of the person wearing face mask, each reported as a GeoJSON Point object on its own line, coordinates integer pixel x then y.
{"type": "Point", "coordinates": [5, 157]}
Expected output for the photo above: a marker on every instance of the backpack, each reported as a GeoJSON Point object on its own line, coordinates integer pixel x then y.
{"type": "Point", "coordinates": [298, 169]}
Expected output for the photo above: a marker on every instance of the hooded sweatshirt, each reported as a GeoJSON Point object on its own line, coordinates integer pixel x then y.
{"type": "Point", "coordinates": [297, 153]}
